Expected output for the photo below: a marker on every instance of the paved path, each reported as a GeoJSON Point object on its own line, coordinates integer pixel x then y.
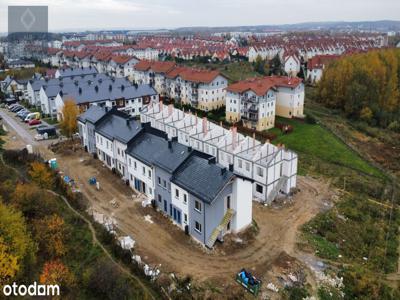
{"type": "Point", "coordinates": [22, 132]}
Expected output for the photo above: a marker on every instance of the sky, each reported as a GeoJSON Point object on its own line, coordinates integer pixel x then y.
{"type": "Point", "coordinates": [154, 14]}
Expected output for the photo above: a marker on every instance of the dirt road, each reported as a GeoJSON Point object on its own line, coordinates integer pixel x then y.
{"type": "Point", "coordinates": [162, 243]}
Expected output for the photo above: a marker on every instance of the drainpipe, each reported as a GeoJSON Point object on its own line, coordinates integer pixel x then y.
{"type": "Point", "coordinates": [204, 222]}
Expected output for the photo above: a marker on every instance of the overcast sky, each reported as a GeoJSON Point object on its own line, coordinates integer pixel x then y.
{"type": "Point", "coordinates": [130, 14]}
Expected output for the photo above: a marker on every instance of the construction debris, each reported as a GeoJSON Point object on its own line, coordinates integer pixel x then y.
{"type": "Point", "coordinates": [147, 218]}
{"type": "Point", "coordinates": [272, 287]}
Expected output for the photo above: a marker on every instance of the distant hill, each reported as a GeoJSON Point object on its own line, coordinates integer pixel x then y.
{"type": "Point", "coordinates": [381, 26]}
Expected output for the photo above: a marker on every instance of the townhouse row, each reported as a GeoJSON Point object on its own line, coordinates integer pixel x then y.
{"type": "Point", "coordinates": [87, 87]}
{"type": "Point", "coordinates": [205, 199]}
{"type": "Point", "coordinates": [117, 65]}
{"type": "Point", "coordinates": [273, 168]}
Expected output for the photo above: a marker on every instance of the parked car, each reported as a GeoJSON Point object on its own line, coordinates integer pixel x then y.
{"type": "Point", "coordinates": [23, 115]}
{"type": "Point", "coordinates": [50, 130]}
{"type": "Point", "coordinates": [34, 122]}
{"type": "Point", "coordinates": [31, 116]}
{"type": "Point", "coordinates": [21, 112]}
{"type": "Point", "coordinates": [17, 108]}
{"type": "Point", "coordinates": [11, 106]}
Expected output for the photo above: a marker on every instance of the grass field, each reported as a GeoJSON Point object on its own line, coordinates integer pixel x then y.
{"type": "Point", "coordinates": [315, 141]}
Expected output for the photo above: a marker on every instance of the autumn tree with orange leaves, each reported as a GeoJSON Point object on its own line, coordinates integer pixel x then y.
{"type": "Point", "coordinates": [55, 272]}
{"type": "Point", "coordinates": [70, 112]}
{"type": "Point", "coordinates": [51, 233]}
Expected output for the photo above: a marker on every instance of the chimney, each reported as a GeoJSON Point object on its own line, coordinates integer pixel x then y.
{"type": "Point", "coordinates": [127, 122]}
{"type": "Point", "coordinates": [161, 105]}
{"type": "Point", "coordinates": [211, 160]}
{"type": "Point", "coordinates": [254, 139]}
{"type": "Point", "coordinates": [231, 167]}
{"type": "Point", "coordinates": [223, 171]}
{"type": "Point", "coordinates": [170, 109]}
{"type": "Point", "coordinates": [234, 137]}
{"type": "Point", "coordinates": [205, 129]}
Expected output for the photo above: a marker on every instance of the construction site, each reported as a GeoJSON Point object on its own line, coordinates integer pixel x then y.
{"type": "Point", "coordinates": [267, 248]}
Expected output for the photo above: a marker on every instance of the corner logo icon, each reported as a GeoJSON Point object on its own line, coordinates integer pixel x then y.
{"type": "Point", "coordinates": [28, 19]}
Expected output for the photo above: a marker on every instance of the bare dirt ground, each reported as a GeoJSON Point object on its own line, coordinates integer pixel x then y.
{"type": "Point", "coordinates": [162, 243]}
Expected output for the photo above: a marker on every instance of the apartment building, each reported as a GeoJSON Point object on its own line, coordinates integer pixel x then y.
{"type": "Point", "coordinates": [203, 89]}
{"type": "Point", "coordinates": [257, 101]}
{"type": "Point", "coordinates": [273, 168]}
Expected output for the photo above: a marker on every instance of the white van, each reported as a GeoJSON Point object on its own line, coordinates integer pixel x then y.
{"type": "Point", "coordinates": [31, 116]}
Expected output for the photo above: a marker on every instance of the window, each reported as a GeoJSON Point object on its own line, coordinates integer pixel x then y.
{"type": "Point", "coordinates": [130, 162]}
{"type": "Point", "coordinates": [185, 218]}
{"type": "Point", "coordinates": [260, 171]}
{"type": "Point", "coordinates": [150, 191]}
{"type": "Point", "coordinates": [247, 166]}
{"type": "Point", "coordinates": [184, 198]}
{"type": "Point", "coordinates": [159, 198]}
{"type": "Point", "coordinates": [197, 205]}
{"type": "Point", "coordinates": [144, 170]}
{"type": "Point", "coordinates": [134, 165]}
{"type": "Point", "coordinates": [159, 180]}
{"type": "Point", "coordinates": [165, 184]}
{"type": "Point", "coordinates": [149, 173]}
{"type": "Point", "coordinates": [176, 193]}
{"type": "Point", "coordinates": [259, 188]}
{"type": "Point", "coordinates": [198, 226]}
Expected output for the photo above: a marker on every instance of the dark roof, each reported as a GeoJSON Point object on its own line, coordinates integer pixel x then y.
{"type": "Point", "coordinates": [155, 149]}
{"type": "Point", "coordinates": [201, 178]}
{"type": "Point", "coordinates": [93, 114]}
{"type": "Point", "coordinates": [117, 125]}
{"type": "Point", "coordinates": [77, 71]}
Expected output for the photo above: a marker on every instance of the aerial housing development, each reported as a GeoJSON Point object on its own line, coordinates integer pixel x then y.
{"type": "Point", "coordinates": [145, 154]}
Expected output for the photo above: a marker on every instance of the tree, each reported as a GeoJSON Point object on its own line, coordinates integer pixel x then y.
{"type": "Point", "coordinates": [70, 113]}
{"type": "Point", "coordinates": [276, 65]}
{"type": "Point", "coordinates": [51, 233]}
{"type": "Point", "coordinates": [41, 175]}
{"type": "Point", "coordinates": [366, 114]}
{"type": "Point", "coordinates": [16, 239]}
{"type": "Point", "coordinates": [107, 282]}
{"type": "Point", "coordinates": [9, 264]}
{"type": "Point", "coordinates": [55, 272]}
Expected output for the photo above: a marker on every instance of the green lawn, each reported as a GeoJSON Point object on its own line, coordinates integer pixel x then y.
{"type": "Point", "coordinates": [315, 141]}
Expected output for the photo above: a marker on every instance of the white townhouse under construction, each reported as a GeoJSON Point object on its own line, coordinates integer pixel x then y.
{"type": "Point", "coordinates": [273, 169]}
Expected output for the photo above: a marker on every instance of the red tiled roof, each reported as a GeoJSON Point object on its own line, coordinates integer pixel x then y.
{"type": "Point", "coordinates": [319, 61]}
{"type": "Point", "coordinates": [200, 76]}
{"type": "Point", "coordinates": [143, 65]}
{"type": "Point", "coordinates": [121, 59]}
{"type": "Point", "coordinates": [260, 86]}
